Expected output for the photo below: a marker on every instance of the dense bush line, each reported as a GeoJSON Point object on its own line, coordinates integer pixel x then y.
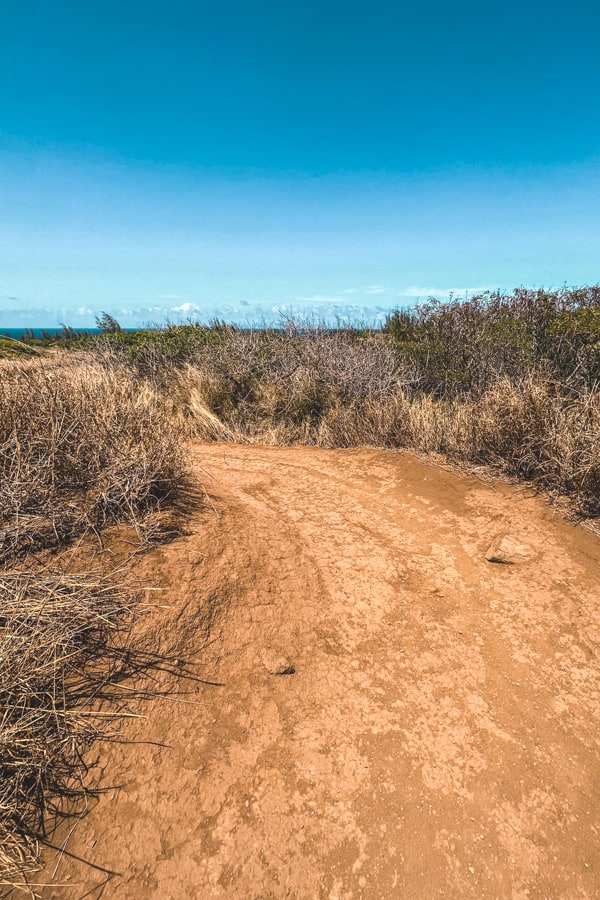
{"type": "Point", "coordinates": [455, 347]}
{"type": "Point", "coordinates": [510, 381]}
{"type": "Point", "coordinates": [465, 346]}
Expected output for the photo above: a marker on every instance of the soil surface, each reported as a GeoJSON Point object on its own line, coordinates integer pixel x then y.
{"type": "Point", "coordinates": [409, 703]}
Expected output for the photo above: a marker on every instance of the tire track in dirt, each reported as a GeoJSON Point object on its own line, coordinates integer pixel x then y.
{"type": "Point", "coordinates": [440, 736]}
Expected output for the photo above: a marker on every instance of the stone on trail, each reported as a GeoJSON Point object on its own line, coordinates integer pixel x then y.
{"type": "Point", "coordinates": [507, 551]}
{"type": "Point", "coordinates": [276, 663]}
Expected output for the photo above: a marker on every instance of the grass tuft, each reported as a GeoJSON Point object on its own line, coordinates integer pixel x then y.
{"type": "Point", "coordinates": [81, 444]}
{"type": "Point", "coordinates": [64, 649]}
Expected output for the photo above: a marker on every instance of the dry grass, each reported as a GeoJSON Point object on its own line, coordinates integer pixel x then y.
{"type": "Point", "coordinates": [279, 387]}
{"type": "Point", "coordinates": [64, 650]}
{"type": "Point", "coordinates": [530, 430]}
{"type": "Point", "coordinates": [81, 444]}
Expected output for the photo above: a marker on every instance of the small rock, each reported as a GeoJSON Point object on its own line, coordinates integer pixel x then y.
{"type": "Point", "coordinates": [507, 551]}
{"type": "Point", "coordinates": [276, 663]}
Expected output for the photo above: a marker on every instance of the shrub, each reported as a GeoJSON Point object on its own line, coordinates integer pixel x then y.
{"type": "Point", "coordinates": [460, 347]}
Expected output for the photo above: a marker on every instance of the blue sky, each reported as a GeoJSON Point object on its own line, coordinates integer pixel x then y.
{"type": "Point", "coordinates": [185, 159]}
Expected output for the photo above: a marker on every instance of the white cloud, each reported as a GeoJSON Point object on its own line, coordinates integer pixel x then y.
{"type": "Point", "coordinates": [378, 289]}
{"type": "Point", "coordinates": [186, 308]}
{"type": "Point", "coordinates": [84, 311]}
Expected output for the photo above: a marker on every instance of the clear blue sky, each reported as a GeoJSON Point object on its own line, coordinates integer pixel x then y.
{"type": "Point", "coordinates": [161, 160]}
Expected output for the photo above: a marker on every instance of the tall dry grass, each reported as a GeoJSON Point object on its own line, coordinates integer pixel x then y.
{"type": "Point", "coordinates": [64, 649]}
{"type": "Point", "coordinates": [533, 431]}
{"type": "Point", "coordinates": [279, 387]}
{"type": "Point", "coordinates": [81, 444]}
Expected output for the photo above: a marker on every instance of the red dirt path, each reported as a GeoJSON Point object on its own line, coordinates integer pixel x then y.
{"type": "Point", "coordinates": [440, 736]}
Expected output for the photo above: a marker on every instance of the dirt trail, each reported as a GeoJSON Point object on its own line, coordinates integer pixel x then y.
{"type": "Point", "coordinates": [440, 735]}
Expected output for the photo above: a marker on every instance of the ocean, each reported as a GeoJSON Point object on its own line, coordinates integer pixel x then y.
{"type": "Point", "coordinates": [39, 332]}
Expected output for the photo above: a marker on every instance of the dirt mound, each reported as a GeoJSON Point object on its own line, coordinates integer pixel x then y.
{"type": "Point", "coordinates": [409, 695]}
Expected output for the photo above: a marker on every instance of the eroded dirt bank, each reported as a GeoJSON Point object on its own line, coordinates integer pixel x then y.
{"type": "Point", "coordinates": [440, 735]}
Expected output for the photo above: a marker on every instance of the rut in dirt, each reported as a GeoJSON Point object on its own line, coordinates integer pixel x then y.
{"type": "Point", "coordinates": [410, 699]}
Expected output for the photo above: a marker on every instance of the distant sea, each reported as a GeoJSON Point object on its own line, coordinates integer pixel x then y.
{"type": "Point", "coordinates": [18, 332]}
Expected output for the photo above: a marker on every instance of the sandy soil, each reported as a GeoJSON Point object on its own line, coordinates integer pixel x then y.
{"type": "Point", "coordinates": [440, 733]}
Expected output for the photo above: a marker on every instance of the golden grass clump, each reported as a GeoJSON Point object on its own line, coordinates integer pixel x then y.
{"type": "Point", "coordinates": [64, 652]}
{"type": "Point", "coordinates": [534, 431]}
{"type": "Point", "coordinates": [81, 444]}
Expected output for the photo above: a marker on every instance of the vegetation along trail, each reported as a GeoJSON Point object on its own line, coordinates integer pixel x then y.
{"type": "Point", "coordinates": [409, 699]}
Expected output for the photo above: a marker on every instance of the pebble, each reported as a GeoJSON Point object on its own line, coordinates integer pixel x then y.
{"type": "Point", "coordinates": [276, 663]}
